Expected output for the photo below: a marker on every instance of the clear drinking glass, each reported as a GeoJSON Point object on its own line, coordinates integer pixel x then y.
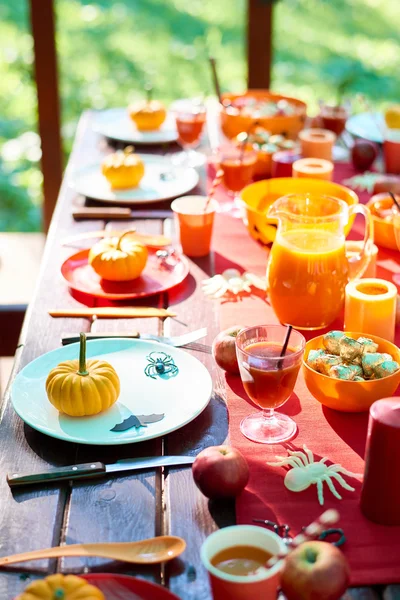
{"type": "Point", "coordinates": [190, 117]}
{"type": "Point", "coordinates": [268, 379]}
{"type": "Point", "coordinates": [237, 165]}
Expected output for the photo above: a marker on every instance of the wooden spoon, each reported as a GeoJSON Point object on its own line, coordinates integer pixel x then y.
{"type": "Point", "coordinates": [150, 551]}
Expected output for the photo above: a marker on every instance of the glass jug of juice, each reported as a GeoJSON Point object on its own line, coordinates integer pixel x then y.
{"type": "Point", "coordinates": [308, 268]}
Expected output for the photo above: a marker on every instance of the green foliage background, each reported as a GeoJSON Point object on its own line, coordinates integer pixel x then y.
{"type": "Point", "coordinates": [109, 49]}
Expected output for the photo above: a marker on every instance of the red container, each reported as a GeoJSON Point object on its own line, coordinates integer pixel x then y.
{"type": "Point", "coordinates": [380, 495]}
{"type": "Point", "coordinates": [282, 163]}
{"type": "Point", "coordinates": [391, 151]}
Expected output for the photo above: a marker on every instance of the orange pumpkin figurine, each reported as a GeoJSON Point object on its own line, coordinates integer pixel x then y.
{"type": "Point", "coordinates": [148, 115]}
{"type": "Point", "coordinates": [64, 587]}
{"type": "Point", "coordinates": [123, 169]}
{"type": "Point", "coordinates": [118, 258]}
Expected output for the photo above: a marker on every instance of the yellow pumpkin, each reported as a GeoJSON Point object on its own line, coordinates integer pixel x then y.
{"type": "Point", "coordinates": [392, 116]}
{"type": "Point", "coordinates": [148, 116]}
{"type": "Point", "coordinates": [118, 259]}
{"type": "Point", "coordinates": [81, 388]}
{"type": "Point", "coordinates": [123, 169]}
{"type": "Point", "coordinates": [61, 587]}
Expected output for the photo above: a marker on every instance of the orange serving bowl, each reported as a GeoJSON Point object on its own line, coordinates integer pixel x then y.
{"type": "Point", "coordinates": [258, 197]}
{"type": "Point", "coordinates": [350, 396]}
{"type": "Point", "coordinates": [384, 234]}
{"type": "Point", "coordinates": [232, 122]}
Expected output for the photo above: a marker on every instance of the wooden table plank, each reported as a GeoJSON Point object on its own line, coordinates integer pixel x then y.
{"type": "Point", "coordinates": [120, 508]}
{"type": "Point", "coordinates": [188, 513]}
{"type": "Point", "coordinates": [31, 519]}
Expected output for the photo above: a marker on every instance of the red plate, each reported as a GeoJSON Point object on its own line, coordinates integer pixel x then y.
{"type": "Point", "coordinates": [128, 588]}
{"type": "Point", "coordinates": [154, 279]}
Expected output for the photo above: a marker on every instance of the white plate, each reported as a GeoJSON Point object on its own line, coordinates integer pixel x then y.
{"type": "Point", "coordinates": [181, 398]}
{"type": "Point", "coordinates": [116, 124]}
{"type": "Point", "coordinates": [367, 126]}
{"type": "Point", "coordinates": [90, 182]}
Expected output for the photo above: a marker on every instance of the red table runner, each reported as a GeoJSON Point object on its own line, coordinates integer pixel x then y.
{"type": "Point", "coordinates": [372, 550]}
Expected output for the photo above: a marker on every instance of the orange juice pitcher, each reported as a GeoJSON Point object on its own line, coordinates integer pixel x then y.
{"type": "Point", "coordinates": [308, 268]}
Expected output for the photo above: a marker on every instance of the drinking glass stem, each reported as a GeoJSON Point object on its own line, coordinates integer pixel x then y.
{"type": "Point", "coordinates": [268, 414]}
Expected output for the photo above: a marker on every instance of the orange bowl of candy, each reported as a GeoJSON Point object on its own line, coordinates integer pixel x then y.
{"type": "Point", "coordinates": [258, 197]}
{"type": "Point", "coordinates": [261, 141]}
{"type": "Point", "coordinates": [350, 371]}
{"type": "Point", "coordinates": [383, 212]}
{"type": "Point", "coordinates": [277, 114]}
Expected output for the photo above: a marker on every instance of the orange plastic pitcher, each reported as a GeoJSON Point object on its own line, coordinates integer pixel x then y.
{"type": "Point", "coordinates": [308, 268]}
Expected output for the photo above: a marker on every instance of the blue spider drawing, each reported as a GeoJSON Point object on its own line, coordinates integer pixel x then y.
{"type": "Point", "coordinates": [160, 363]}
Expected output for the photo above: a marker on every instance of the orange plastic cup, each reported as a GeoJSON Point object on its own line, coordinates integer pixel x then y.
{"type": "Point", "coordinates": [195, 224]}
{"type": "Point", "coordinates": [263, 585]}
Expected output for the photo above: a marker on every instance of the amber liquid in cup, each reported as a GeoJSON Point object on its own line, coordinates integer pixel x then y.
{"type": "Point", "coordinates": [269, 389]}
{"type": "Point", "coordinates": [238, 172]}
{"type": "Point", "coordinates": [334, 118]}
{"type": "Point", "coordinates": [241, 560]}
{"type": "Point", "coordinates": [190, 127]}
{"type": "Point", "coordinates": [269, 378]}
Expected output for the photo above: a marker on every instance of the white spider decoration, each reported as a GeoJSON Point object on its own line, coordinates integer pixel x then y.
{"type": "Point", "coordinates": [306, 472]}
{"type": "Point", "coordinates": [231, 281]}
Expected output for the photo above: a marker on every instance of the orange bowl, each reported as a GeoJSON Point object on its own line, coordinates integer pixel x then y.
{"type": "Point", "coordinates": [384, 234]}
{"type": "Point", "coordinates": [233, 123]}
{"type": "Point", "coordinates": [258, 197]}
{"type": "Point", "coordinates": [350, 396]}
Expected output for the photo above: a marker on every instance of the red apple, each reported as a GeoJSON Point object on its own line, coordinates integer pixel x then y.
{"type": "Point", "coordinates": [363, 154]}
{"type": "Point", "coordinates": [224, 349]}
{"type": "Point", "coordinates": [220, 472]}
{"type": "Point", "coordinates": [315, 570]}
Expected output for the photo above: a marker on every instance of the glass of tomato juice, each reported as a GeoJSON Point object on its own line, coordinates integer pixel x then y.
{"type": "Point", "coordinates": [268, 379]}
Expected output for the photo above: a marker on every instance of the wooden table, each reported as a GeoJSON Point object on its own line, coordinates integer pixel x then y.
{"type": "Point", "coordinates": [134, 506]}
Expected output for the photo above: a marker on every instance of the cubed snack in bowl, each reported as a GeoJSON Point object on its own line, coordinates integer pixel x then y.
{"type": "Point", "coordinates": [343, 357]}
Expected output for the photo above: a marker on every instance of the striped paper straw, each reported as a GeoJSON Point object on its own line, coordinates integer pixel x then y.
{"type": "Point", "coordinates": [216, 181]}
{"type": "Point", "coordinates": [314, 530]}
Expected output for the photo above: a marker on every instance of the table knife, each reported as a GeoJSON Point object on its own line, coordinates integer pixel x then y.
{"type": "Point", "coordinates": [114, 213]}
{"type": "Point", "coordinates": [178, 340]}
{"type": "Point", "coordinates": [97, 469]}
{"type": "Point", "coordinates": [112, 312]}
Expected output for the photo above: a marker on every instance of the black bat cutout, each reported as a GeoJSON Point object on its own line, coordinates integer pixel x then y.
{"type": "Point", "coordinates": [137, 421]}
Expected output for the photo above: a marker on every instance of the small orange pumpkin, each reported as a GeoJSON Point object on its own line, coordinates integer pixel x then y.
{"type": "Point", "coordinates": [148, 115]}
{"type": "Point", "coordinates": [123, 169]}
{"type": "Point", "coordinates": [118, 258]}
{"type": "Point", "coordinates": [61, 587]}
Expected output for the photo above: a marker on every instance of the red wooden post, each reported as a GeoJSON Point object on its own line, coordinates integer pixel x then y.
{"type": "Point", "coordinates": [259, 43]}
{"type": "Point", "coordinates": [43, 31]}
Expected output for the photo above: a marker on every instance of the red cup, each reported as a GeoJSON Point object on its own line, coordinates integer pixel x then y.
{"type": "Point", "coordinates": [282, 163]}
{"type": "Point", "coordinates": [224, 585]}
{"type": "Point", "coordinates": [391, 151]}
{"type": "Point", "coordinates": [380, 494]}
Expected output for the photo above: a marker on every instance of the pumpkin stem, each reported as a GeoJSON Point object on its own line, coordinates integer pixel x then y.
{"type": "Point", "coordinates": [82, 358]}
{"type": "Point", "coordinates": [129, 150]}
{"type": "Point", "coordinates": [59, 594]}
{"type": "Point", "coordinates": [122, 237]}
{"type": "Point", "coordinates": [149, 92]}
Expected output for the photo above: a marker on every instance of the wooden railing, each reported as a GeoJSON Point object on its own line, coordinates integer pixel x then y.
{"type": "Point", "coordinates": [259, 46]}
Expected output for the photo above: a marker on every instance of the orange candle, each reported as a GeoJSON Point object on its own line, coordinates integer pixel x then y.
{"type": "Point", "coordinates": [370, 307]}
{"type": "Point", "coordinates": [317, 143]}
{"type": "Point", "coordinates": [317, 168]}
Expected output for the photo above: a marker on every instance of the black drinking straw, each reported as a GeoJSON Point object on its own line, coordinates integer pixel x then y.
{"type": "Point", "coordinates": [393, 197]}
{"type": "Point", "coordinates": [285, 345]}
{"type": "Point", "coordinates": [215, 78]}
